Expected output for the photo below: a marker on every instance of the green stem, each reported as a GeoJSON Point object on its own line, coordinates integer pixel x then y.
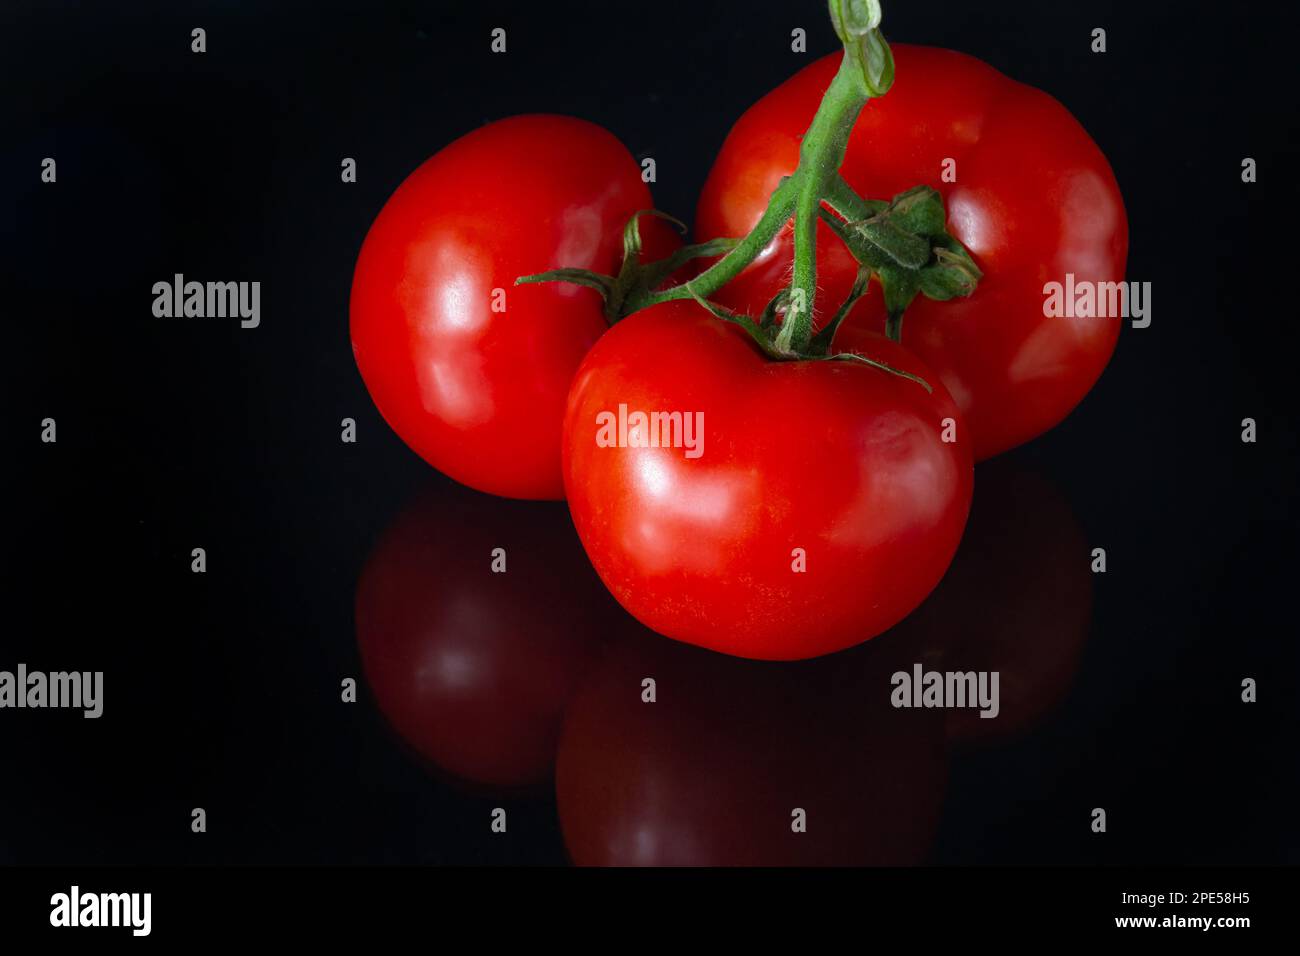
{"type": "Point", "coordinates": [866, 70]}
{"type": "Point", "coordinates": [734, 262]}
{"type": "Point", "coordinates": [820, 157]}
{"type": "Point", "coordinates": [902, 243]}
{"type": "Point", "coordinates": [841, 197]}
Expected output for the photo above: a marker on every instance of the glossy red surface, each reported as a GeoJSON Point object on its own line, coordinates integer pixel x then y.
{"type": "Point", "coordinates": [844, 461]}
{"type": "Point", "coordinates": [479, 393]}
{"type": "Point", "coordinates": [1034, 199]}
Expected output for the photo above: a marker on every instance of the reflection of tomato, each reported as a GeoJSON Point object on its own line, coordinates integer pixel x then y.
{"type": "Point", "coordinates": [1017, 600]}
{"type": "Point", "coordinates": [1034, 199]}
{"type": "Point", "coordinates": [473, 668]}
{"type": "Point", "coordinates": [711, 772]}
{"type": "Point", "coordinates": [844, 463]}
{"type": "Point", "coordinates": [476, 391]}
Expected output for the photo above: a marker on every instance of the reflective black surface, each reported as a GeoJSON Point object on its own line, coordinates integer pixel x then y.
{"type": "Point", "coordinates": [223, 690]}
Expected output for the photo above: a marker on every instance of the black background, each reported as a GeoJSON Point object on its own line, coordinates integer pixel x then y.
{"type": "Point", "coordinates": [222, 690]}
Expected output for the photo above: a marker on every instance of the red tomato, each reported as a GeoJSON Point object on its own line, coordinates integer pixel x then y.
{"type": "Point", "coordinates": [1034, 199]}
{"type": "Point", "coordinates": [479, 393]}
{"type": "Point", "coordinates": [712, 772]}
{"type": "Point", "coordinates": [473, 668]}
{"type": "Point", "coordinates": [843, 461]}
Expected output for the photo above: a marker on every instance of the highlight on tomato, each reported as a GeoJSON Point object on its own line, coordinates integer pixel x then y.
{"type": "Point", "coordinates": [469, 369]}
{"type": "Point", "coordinates": [766, 438]}
{"type": "Point", "coordinates": [776, 510]}
{"type": "Point", "coordinates": [1027, 192]}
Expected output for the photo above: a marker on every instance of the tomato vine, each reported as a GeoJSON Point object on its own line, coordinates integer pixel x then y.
{"type": "Point", "coordinates": [902, 243]}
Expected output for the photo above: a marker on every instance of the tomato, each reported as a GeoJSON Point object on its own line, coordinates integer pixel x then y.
{"type": "Point", "coordinates": [473, 668]}
{"type": "Point", "coordinates": [712, 772]}
{"type": "Point", "coordinates": [836, 466]}
{"type": "Point", "coordinates": [1034, 200]}
{"type": "Point", "coordinates": [479, 393]}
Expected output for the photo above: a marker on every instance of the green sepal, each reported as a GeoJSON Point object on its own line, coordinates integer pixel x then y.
{"type": "Point", "coordinates": [883, 366]}
{"type": "Point", "coordinates": [900, 246]}
{"type": "Point", "coordinates": [764, 339]}
{"type": "Point", "coordinates": [779, 301]}
{"type": "Point", "coordinates": [634, 276]}
{"type": "Point", "coordinates": [822, 341]}
{"type": "Point", "coordinates": [952, 274]}
{"type": "Point", "coordinates": [900, 287]}
{"type": "Point", "coordinates": [946, 270]}
{"type": "Point", "coordinates": [585, 277]}
{"type": "Point", "coordinates": [654, 273]}
{"type": "Point", "coordinates": [632, 235]}
{"type": "Point", "coordinates": [756, 332]}
{"type": "Point", "coordinates": [919, 210]}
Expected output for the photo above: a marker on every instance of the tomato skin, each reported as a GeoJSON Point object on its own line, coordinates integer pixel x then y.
{"type": "Point", "coordinates": [473, 668]}
{"type": "Point", "coordinates": [480, 394]}
{"type": "Point", "coordinates": [1034, 199]}
{"type": "Point", "coordinates": [842, 460]}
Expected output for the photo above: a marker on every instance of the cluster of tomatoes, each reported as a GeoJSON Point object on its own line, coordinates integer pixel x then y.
{"type": "Point", "coordinates": [829, 497]}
